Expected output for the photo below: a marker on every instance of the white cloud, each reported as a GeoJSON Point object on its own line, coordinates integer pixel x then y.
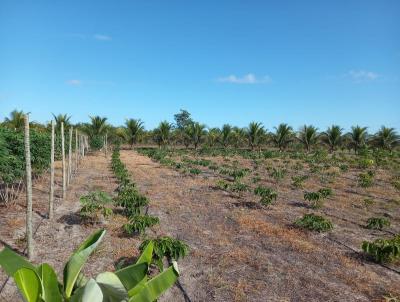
{"type": "Point", "coordinates": [246, 79]}
{"type": "Point", "coordinates": [362, 75]}
{"type": "Point", "coordinates": [101, 37]}
{"type": "Point", "coordinates": [74, 82]}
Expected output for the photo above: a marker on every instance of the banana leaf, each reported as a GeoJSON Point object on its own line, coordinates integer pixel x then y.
{"type": "Point", "coordinates": [91, 292]}
{"type": "Point", "coordinates": [78, 259]}
{"type": "Point", "coordinates": [132, 275]}
{"type": "Point", "coordinates": [154, 288]}
{"type": "Point", "coordinates": [112, 288]}
{"type": "Point", "coordinates": [29, 284]}
{"type": "Point", "coordinates": [48, 278]}
{"type": "Point", "coordinates": [11, 262]}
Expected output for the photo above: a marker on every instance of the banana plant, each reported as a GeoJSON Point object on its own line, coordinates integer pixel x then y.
{"type": "Point", "coordinates": [129, 284]}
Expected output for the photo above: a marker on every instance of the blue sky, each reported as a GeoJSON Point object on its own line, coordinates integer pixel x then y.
{"type": "Point", "coordinates": [314, 62]}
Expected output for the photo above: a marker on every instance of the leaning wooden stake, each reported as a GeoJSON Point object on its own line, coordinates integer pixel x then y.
{"type": "Point", "coordinates": [28, 190]}
{"type": "Point", "coordinates": [64, 180]}
{"type": "Point", "coordinates": [69, 157]}
{"type": "Point", "coordinates": [51, 197]}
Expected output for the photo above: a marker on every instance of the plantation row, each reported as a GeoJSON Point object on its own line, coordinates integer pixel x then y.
{"type": "Point", "coordinates": [381, 250]}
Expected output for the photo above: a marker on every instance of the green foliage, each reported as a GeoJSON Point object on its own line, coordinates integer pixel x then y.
{"type": "Point", "coordinates": [267, 195]}
{"type": "Point", "coordinates": [316, 198]}
{"type": "Point", "coordinates": [128, 284]}
{"type": "Point", "coordinates": [366, 180]}
{"type": "Point", "coordinates": [94, 205]}
{"type": "Point", "coordinates": [314, 223]}
{"type": "Point", "coordinates": [368, 202]}
{"type": "Point", "coordinates": [222, 184]}
{"type": "Point", "coordinates": [299, 180]}
{"type": "Point", "coordinates": [377, 223]}
{"type": "Point", "coordinates": [238, 186]}
{"type": "Point", "coordinates": [194, 171]}
{"type": "Point", "coordinates": [96, 142]}
{"type": "Point", "coordinates": [366, 163]}
{"type": "Point", "coordinates": [325, 192]}
{"type": "Point", "coordinates": [383, 250]}
{"type": "Point", "coordinates": [277, 174]}
{"type": "Point", "coordinates": [139, 223]}
{"type": "Point", "coordinates": [168, 247]}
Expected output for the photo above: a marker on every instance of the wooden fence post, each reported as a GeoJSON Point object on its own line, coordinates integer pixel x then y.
{"type": "Point", "coordinates": [28, 189]}
{"type": "Point", "coordinates": [64, 180]}
{"type": "Point", "coordinates": [76, 150]}
{"type": "Point", "coordinates": [69, 157]}
{"type": "Point", "coordinates": [51, 197]}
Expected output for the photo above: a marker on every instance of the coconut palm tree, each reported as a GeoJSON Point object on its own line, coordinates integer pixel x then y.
{"type": "Point", "coordinates": [357, 137]}
{"type": "Point", "coordinates": [163, 133]}
{"type": "Point", "coordinates": [386, 138]}
{"type": "Point", "coordinates": [134, 128]}
{"type": "Point", "coordinates": [196, 132]}
{"type": "Point", "coordinates": [62, 118]}
{"type": "Point", "coordinates": [238, 136]}
{"type": "Point", "coordinates": [226, 132]}
{"type": "Point", "coordinates": [308, 136]}
{"type": "Point", "coordinates": [283, 136]}
{"type": "Point", "coordinates": [213, 136]}
{"type": "Point", "coordinates": [333, 137]}
{"type": "Point", "coordinates": [255, 132]}
{"type": "Point", "coordinates": [15, 120]}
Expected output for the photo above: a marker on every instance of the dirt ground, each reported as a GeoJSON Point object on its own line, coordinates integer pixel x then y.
{"type": "Point", "coordinates": [237, 252]}
{"type": "Point", "coordinates": [241, 253]}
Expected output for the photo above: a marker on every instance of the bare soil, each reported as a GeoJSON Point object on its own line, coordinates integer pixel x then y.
{"type": "Point", "coordinates": [239, 250]}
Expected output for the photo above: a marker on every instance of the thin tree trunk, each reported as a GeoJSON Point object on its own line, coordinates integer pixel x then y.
{"type": "Point", "coordinates": [51, 197]}
{"type": "Point", "coordinates": [28, 190]}
{"type": "Point", "coordinates": [64, 180]}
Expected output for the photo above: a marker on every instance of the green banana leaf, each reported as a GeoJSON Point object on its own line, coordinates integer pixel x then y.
{"type": "Point", "coordinates": [91, 292]}
{"type": "Point", "coordinates": [112, 288]}
{"type": "Point", "coordinates": [78, 259]}
{"type": "Point", "coordinates": [147, 254]}
{"type": "Point", "coordinates": [154, 288]}
{"type": "Point", "coordinates": [48, 278]}
{"type": "Point", "coordinates": [132, 275]}
{"type": "Point", "coordinates": [28, 283]}
{"type": "Point", "coordinates": [11, 262]}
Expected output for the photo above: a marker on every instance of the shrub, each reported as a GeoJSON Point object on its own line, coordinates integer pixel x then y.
{"type": "Point", "coordinates": [222, 184]}
{"type": "Point", "coordinates": [278, 174]}
{"type": "Point", "coordinates": [139, 223]}
{"type": "Point", "coordinates": [344, 168]}
{"type": "Point", "coordinates": [383, 250]}
{"type": "Point", "coordinates": [325, 192]}
{"type": "Point", "coordinates": [368, 202]}
{"type": "Point", "coordinates": [299, 180]}
{"type": "Point", "coordinates": [365, 163]}
{"type": "Point", "coordinates": [238, 187]}
{"type": "Point", "coordinates": [195, 171]}
{"type": "Point", "coordinates": [314, 223]}
{"type": "Point", "coordinates": [315, 198]}
{"type": "Point", "coordinates": [267, 195]}
{"type": "Point", "coordinates": [95, 205]}
{"type": "Point", "coordinates": [377, 223]}
{"type": "Point", "coordinates": [366, 180]}
{"type": "Point", "coordinates": [171, 248]}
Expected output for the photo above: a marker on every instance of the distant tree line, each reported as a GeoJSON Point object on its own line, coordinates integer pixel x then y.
{"type": "Point", "coordinates": [188, 133]}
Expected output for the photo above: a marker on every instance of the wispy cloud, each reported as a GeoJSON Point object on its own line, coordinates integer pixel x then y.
{"type": "Point", "coordinates": [74, 82]}
{"type": "Point", "coordinates": [246, 79]}
{"type": "Point", "coordinates": [363, 76]}
{"type": "Point", "coordinates": [102, 37]}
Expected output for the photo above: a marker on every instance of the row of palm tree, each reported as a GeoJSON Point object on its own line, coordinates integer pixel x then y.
{"type": "Point", "coordinates": [195, 134]}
